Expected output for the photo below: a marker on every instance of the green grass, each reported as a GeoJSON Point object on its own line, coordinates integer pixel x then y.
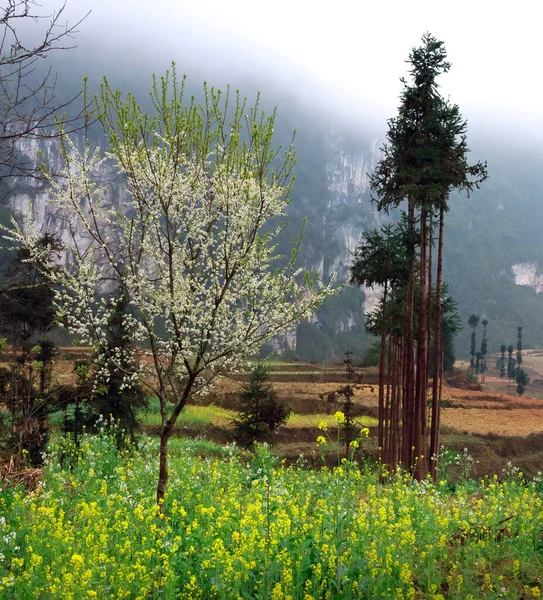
{"type": "Point", "coordinates": [313, 420]}
{"type": "Point", "coordinates": [191, 415]}
{"type": "Point", "coordinates": [286, 363]}
{"type": "Point", "coordinates": [178, 446]}
{"type": "Point", "coordinates": [202, 416]}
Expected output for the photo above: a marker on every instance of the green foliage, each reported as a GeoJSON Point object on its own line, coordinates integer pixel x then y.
{"type": "Point", "coordinates": [382, 257]}
{"type": "Point", "coordinates": [255, 529]}
{"type": "Point", "coordinates": [511, 368]}
{"type": "Point", "coordinates": [260, 410]}
{"type": "Point", "coordinates": [519, 347]}
{"type": "Point", "coordinates": [26, 317]}
{"type": "Point", "coordinates": [501, 360]}
{"type": "Point", "coordinates": [340, 324]}
{"type": "Point", "coordinates": [373, 353]}
{"type": "Point", "coordinates": [449, 352]}
{"type": "Point", "coordinates": [522, 379]}
{"type": "Point", "coordinates": [425, 157]}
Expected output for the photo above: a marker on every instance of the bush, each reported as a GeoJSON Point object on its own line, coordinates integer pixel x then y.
{"type": "Point", "coordinates": [260, 412]}
{"type": "Point", "coordinates": [372, 355]}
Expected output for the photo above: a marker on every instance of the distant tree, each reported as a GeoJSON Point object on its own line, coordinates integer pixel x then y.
{"type": "Point", "coordinates": [26, 293]}
{"type": "Point", "coordinates": [473, 321]}
{"type": "Point", "coordinates": [510, 363]}
{"type": "Point", "coordinates": [503, 350]}
{"type": "Point", "coordinates": [449, 353]}
{"type": "Point", "coordinates": [519, 347]}
{"type": "Point", "coordinates": [484, 350]}
{"type": "Point", "coordinates": [522, 380]}
{"type": "Point", "coordinates": [260, 410]}
{"type": "Point", "coordinates": [477, 364]}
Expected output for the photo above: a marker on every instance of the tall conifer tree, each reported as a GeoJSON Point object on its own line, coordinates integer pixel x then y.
{"type": "Point", "coordinates": [424, 159]}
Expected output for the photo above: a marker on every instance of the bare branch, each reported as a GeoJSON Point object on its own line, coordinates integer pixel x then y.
{"type": "Point", "coordinates": [29, 106]}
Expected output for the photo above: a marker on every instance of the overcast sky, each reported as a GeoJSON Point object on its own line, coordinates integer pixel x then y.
{"type": "Point", "coordinates": [352, 51]}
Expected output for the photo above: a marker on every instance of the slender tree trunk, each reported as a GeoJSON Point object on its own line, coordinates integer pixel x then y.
{"type": "Point", "coordinates": [387, 428]}
{"type": "Point", "coordinates": [421, 373]}
{"type": "Point", "coordinates": [394, 420]}
{"type": "Point", "coordinates": [409, 420]}
{"type": "Point", "coordinates": [438, 357]}
{"type": "Point", "coordinates": [429, 322]}
{"type": "Point", "coordinates": [381, 425]}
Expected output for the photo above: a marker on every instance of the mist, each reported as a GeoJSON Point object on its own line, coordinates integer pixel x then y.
{"type": "Point", "coordinates": [342, 64]}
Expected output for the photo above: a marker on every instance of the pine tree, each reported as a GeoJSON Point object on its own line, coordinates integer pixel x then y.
{"type": "Point", "coordinates": [114, 401]}
{"type": "Point", "coordinates": [260, 411]}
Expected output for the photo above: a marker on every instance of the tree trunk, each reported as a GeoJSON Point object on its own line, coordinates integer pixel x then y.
{"type": "Point", "coordinates": [429, 323]}
{"type": "Point", "coordinates": [381, 425]}
{"type": "Point", "coordinates": [387, 427]}
{"type": "Point", "coordinates": [394, 420]}
{"type": "Point", "coordinates": [408, 424]}
{"type": "Point", "coordinates": [421, 374]}
{"type": "Point", "coordinates": [438, 358]}
{"type": "Point", "coordinates": [166, 431]}
{"type": "Point", "coordinates": [163, 468]}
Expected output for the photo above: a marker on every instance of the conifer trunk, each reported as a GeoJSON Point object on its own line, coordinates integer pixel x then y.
{"type": "Point", "coordinates": [421, 373]}
{"type": "Point", "coordinates": [409, 400]}
{"type": "Point", "coordinates": [438, 358]}
{"type": "Point", "coordinates": [381, 427]}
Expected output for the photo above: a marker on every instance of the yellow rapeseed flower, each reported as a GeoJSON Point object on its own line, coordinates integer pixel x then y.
{"type": "Point", "coordinates": [340, 417]}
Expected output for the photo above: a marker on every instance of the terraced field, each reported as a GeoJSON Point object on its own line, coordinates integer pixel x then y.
{"type": "Point", "coordinates": [494, 424]}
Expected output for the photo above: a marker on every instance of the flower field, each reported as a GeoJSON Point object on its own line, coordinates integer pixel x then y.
{"type": "Point", "coordinates": [243, 526]}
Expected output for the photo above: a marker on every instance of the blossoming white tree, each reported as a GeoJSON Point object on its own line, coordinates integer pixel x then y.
{"type": "Point", "coordinates": [193, 247]}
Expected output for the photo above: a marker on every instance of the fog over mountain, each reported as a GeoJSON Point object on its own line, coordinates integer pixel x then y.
{"type": "Point", "coordinates": [334, 72]}
{"type": "Point", "coordinates": [348, 56]}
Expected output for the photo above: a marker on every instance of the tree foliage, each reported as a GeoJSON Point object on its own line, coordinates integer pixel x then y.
{"type": "Point", "coordinates": [424, 159]}
{"type": "Point", "coordinates": [193, 244]}
{"type": "Point", "coordinates": [26, 317]}
{"type": "Point", "coordinates": [260, 410]}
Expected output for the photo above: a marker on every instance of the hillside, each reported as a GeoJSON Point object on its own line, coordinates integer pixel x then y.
{"type": "Point", "coordinates": [486, 235]}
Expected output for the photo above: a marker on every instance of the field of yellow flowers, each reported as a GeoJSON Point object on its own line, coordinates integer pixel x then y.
{"type": "Point", "coordinates": [240, 526]}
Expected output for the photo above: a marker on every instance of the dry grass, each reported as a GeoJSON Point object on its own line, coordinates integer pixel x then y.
{"type": "Point", "coordinates": [502, 422]}
{"type": "Point", "coordinates": [495, 410]}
